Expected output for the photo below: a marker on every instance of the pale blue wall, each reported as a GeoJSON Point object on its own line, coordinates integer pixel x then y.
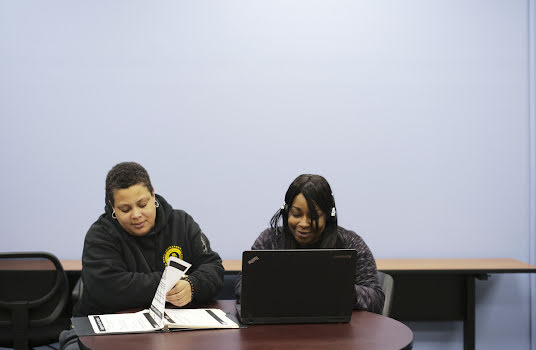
{"type": "Point", "coordinates": [418, 112]}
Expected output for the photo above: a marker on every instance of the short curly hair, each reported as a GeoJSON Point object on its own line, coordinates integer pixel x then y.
{"type": "Point", "coordinates": [124, 175]}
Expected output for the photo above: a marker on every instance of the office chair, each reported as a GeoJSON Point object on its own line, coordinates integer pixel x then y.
{"type": "Point", "coordinates": [387, 284]}
{"type": "Point", "coordinates": [33, 299]}
{"type": "Point", "coordinates": [77, 291]}
{"type": "Point", "coordinates": [227, 292]}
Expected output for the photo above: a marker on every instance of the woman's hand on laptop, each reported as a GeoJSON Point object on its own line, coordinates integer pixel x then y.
{"type": "Point", "coordinates": [180, 294]}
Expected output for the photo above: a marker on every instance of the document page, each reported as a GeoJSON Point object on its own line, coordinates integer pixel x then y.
{"type": "Point", "coordinates": [198, 318]}
{"type": "Point", "coordinates": [156, 311]}
{"type": "Point", "coordinates": [123, 323]}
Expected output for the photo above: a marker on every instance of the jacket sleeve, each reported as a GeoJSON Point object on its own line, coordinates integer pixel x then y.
{"type": "Point", "coordinates": [266, 240]}
{"type": "Point", "coordinates": [207, 268]}
{"type": "Point", "coordinates": [368, 292]}
{"type": "Point", "coordinates": [109, 286]}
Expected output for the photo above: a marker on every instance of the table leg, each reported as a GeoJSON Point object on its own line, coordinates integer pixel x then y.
{"type": "Point", "coordinates": [469, 322]}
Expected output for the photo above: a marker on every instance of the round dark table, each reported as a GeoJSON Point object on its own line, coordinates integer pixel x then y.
{"type": "Point", "coordinates": [366, 331]}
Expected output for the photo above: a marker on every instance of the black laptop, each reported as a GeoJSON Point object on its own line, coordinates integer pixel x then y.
{"type": "Point", "coordinates": [297, 286]}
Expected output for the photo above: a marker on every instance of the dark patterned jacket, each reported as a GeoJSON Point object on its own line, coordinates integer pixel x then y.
{"type": "Point", "coordinates": [368, 292]}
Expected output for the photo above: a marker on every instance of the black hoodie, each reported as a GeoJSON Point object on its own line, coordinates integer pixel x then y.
{"type": "Point", "coordinates": [121, 271]}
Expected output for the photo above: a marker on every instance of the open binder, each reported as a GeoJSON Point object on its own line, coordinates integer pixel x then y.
{"type": "Point", "coordinates": [157, 317]}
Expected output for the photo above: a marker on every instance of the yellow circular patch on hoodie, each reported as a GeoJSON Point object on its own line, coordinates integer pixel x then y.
{"type": "Point", "coordinates": [173, 250]}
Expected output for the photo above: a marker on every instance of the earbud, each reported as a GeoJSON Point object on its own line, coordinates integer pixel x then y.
{"type": "Point", "coordinates": [333, 211]}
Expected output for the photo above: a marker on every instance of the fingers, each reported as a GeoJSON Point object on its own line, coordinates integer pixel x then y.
{"type": "Point", "coordinates": [180, 294]}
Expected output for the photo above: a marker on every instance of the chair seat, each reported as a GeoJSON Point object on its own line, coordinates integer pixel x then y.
{"type": "Point", "coordinates": [39, 335]}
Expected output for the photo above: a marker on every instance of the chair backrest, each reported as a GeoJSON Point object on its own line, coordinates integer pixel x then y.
{"type": "Point", "coordinates": [228, 290]}
{"type": "Point", "coordinates": [387, 284]}
{"type": "Point", "coordinates": [33, 297]}
{"type": "Point", "coordinates": [78, 289]}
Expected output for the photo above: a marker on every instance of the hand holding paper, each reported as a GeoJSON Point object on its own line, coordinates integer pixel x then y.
{"type": "Point", "coordinates": [181, 294]}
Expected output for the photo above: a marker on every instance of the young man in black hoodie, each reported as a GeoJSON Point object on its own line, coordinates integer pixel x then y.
{"type": "Point", "coordinates": [127, 248]}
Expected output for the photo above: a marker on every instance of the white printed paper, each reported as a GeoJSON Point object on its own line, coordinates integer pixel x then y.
{"type": "Point", "coordinates": [198, 318]}
{"type": "Point", "coordinates": [122, 323]}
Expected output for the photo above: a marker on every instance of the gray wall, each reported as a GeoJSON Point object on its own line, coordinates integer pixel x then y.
{"type": "Point", "coordinates": [419, 113]}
